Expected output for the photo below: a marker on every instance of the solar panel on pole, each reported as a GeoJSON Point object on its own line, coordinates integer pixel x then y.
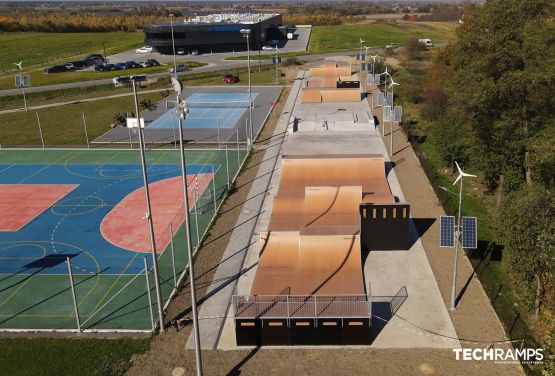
{"type": "Point", "coordinates": [363, 67]}
{"type": "Point", "coordinates": [26, 81]}
{"type": "Point", "coordinates": [358, 56]}
{"type": "Point", "coordinates": [398, 112]}
{"type": "Point", "coordinates": [389, 100]}
{"type": "Point", "coordinates": [362, 56]}
{"type": "Point", "coordinates": [377, 78]}
{"type": "Point", "coordinates": [447, 231]}
{"type": "Point", "coordinates": [380, 99]}
{"type": "Point", "coordinates": [18, 80]}
{"type": "Point", "coordinates": [386, 114]}
{"type": "Point", "coordinates": [469, 232]}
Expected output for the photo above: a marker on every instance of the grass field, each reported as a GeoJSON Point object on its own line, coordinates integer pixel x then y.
{"type": "Point", "coordinates": [51, 356]}
{"type": "Point", "coordinates": [34, 48]}
{"type": "Point", "coordinates": [341, 37]}
{"type": "Point", "coordinates": [64, 125]}
{"type": "Point", "coordinates": [38, 78]}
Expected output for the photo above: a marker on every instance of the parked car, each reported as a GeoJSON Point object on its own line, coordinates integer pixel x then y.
{"type": "Point", "coordinates": [55, 69]}
{"type": "Point", "coordinates": [104, 67]}
{"type": "Point", "coordinates": [426, 42]}
{"type": "Point", "coordinates": [181, 51]}
{"type": "Point", "coordinates": [231, 78]}
{"type": "Point", "coordinates": [391, 45]}
{"type": "Point", "coordinates": [195, 52]}
{"type": "Point", "coordinates": [69, 66]}
{"type": "Point", "coordinates": [268, 48]}
{"type": "Point", "coordinates": [80, 64]}
{"type": "Point", "coordinates": [121, 80]}
{"type": "Point", "coordinates": [132, 64]}
{"type": "Point", "coordinates": [144, 50]}
{"type": "Point", "coordinates": [120, 66]}
{"type": "Point", "coordinates": [96, 58]}
{"type": "Point", "coordinates": [178, 68]}
{"type": "Point", "coordinates": [150, 63]}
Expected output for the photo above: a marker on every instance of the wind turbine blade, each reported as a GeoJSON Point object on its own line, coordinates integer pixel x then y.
{"type": "Point", "coordinates": [458, 168]}
{"type": "Point", "coordinates": [469, 175]}
{"type": "Point", "coordinates": [457, 179]}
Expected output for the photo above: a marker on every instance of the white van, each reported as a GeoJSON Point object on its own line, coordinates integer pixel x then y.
{"type": "Point", "coordinates": [426, 42]}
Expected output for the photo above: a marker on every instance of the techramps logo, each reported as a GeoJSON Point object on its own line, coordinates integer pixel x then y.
{"type": "Point", "coordinates": [501, 356]}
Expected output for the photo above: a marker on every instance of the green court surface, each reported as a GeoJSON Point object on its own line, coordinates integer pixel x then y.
{"type": "Point", "coordinates": [110, 283]}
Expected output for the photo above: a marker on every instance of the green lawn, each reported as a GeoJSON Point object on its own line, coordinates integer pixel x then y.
{"type": "Point", "coordinates": [38, 78]}
{"type": "Point", "coordinates": [50, 356]}
{"type": "Point", "coordinates": [342, 37]}
{"type": "Point", "coordinates": [35, 48]}
{"type": "Point", "coordinates": [64, 125]}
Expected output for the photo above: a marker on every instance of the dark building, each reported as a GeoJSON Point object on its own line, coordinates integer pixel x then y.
{"type": "Point", "coordinates": [215, 33]}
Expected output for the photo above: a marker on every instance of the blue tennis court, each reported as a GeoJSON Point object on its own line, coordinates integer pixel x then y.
{"type": "Point", "coordinates": [208, 110]}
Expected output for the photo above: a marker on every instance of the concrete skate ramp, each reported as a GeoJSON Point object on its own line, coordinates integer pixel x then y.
{"type": "Point", "coordinates": [340, 95]}
{"type": "Point", "coordinates": [318, 211]}
{"type": "Point", "coordinates": [335, 171]}
{"type": "Point", "coordinates": [311, 96]}
{"type": "Point", "coordinates": [293, 264]}
{"type": "Point", "coordinates": [329, 70]}
{"type": "Point", "coordinates": [324, 144]}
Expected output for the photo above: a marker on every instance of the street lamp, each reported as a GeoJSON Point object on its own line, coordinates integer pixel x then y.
{"type": "Point", "coordinates": [457, 230]}
{"type": "Point", "coordinates": [148, 215]}
{"type": "Point", "coordinates": [246, 33]}
{"type": "Point", "coordinates": [392, 86]}
{"type": "Point", "coordinates": [385, 75]}
{"type": "Point", "coordinates": [173, 45]}
{"type": "Point", "coordinates": [182, 112]}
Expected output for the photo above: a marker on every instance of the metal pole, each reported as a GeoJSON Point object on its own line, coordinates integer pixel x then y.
{"type": "Point", "coordinates": [385, 102]}
{"type": "Point", "coordinates": [457, 233]}
{"type": "Point", "coordinates": [214, 189]}
{"type": "Point", "coordinates": [196, 211]}
{"type": "Point", "coordinates": [226, 166]}
{"type": "Point", "coordinates": [277, 79]}
{"type": "Point", "coordinates": [70, 273]}
{"type": "Point", "coordinates": [247, 134]}
{"type": "Point", "coordinates": [174, 139]}
{"type": "Point", "coordinates": [40, 130]}
{"type": "Point", "coordinates": [218, 127]}
{"type": "Point", "coordinates": [86, 133]}
{"type": "Point", "coordinates": [238, 153]}
{"type": "Point", "coordinates": [148, 294]}
{"type": "Point", "coordinates": [173, 44]}
{"type": "Point", "coordinates": [173, 257]}
{"type": "Point", "coordinates": [391, 120]}
{"type": "Point", "coordinates": [149, 212]}
{"type": "Point", "coordinates": [130, 140]}
{"type": "Point", "coordinates": [250, 89]}
{"type": "Point", "coordinates": [189, 245]}
{"type": "Point", "coordinates": [24, 99]}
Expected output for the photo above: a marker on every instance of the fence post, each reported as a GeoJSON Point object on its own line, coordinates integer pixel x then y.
{"type": "Point", "coordinates": [214, 190]}
{"type": "Point", "coordinates": [70, 273]}
{"type": "Point", "coordinates": [40, 130]}
{"type": "Point", "coordinates": [173, 256]}
{"type": "Point", "coordinates": [315, 310]}
{"type": "Point", "coordinates": [247, 134]}
{"type": "Point", "coordinates": [130, 140]}
{"type": "Point", "coordinates": [148, 294]}
{"type": "Point", "coordinates": [196, 211]}
{"type": "Point", "coordinates": [227, 166]}
{"type": "Point", "coordinates": [238, 153]}
{"type": "Point", "coordinates": [86, 133]}
{"type": "Point", "coordinates": [218, 130]}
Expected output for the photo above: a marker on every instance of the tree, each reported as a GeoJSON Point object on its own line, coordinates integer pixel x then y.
{"type": "Point", "coordinates": [526, 227]}
{"type": "Point", "coordinates": [413, 49]}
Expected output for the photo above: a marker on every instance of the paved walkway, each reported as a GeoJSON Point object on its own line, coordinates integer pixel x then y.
{"type": "Point", "coordinates": [217, 304]}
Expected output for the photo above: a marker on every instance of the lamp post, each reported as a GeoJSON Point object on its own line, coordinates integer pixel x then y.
{"type": "Point", "coordinates": [392, 86]}
{"type": "Point", "coordinates": [148, 215]}
{"type": "Point", "coordinates": [277, 58]}
{"type": "Point", "coordinates": [173, 45]}
{"type": "Point", "coordinates": [182, 111]}
{"type": "Point", "coordinates": [20, 67]}
{"type": "Point", "coordinates": [457, 232]}
{"type": "Point", "coordinates": [246, 33]}
{"type": "Point", "coordinates": [385, 74]}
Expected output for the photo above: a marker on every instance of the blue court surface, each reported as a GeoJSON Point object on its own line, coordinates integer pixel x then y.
{"type": "Point", "coordinates": [71, 227]}
{"type": "Point", "coordinates": [208, 110]}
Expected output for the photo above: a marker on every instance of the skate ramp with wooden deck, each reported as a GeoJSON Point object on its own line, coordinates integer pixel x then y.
{"type": "Point", "coordinates": [320, 210]}
{"type": "Point", "coordinates": [294, 264]}
{"type": "Point", "coordinates": [366, 171]}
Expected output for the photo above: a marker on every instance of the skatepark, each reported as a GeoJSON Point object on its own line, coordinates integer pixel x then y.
{"type": "Point", "coordinates": [333, 258]}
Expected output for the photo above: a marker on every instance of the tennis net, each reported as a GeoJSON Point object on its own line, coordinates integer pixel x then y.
{"type": "Point", "coordinates": [226, 104]}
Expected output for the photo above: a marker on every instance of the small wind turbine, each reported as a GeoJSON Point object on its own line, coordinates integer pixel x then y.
{"type": "Point", "coordinates": [461, 174]}
{"type": "Point", "coordinates": [19, 65]}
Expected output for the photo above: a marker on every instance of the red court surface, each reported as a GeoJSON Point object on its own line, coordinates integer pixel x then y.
{"type": "Point", "coordinates": [21, 203]}
{"type": "Point", "coordinates": [126, 227]}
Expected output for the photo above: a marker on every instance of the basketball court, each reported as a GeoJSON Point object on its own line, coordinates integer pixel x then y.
{"type": "Point", "coordinates": [85, 211]}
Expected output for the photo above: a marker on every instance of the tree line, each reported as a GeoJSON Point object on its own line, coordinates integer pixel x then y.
{"type": "Point", "coordinates": [490, 97]}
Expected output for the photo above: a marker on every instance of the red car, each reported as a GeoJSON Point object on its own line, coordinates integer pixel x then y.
{"type": "Point", "coordinates": [231, 78]}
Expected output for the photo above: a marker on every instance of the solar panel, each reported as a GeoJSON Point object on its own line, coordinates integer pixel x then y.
{"type": "Point", "coordinates": [380, 99]}
{"type": "Point", "coordinates": [469, 232]}
{"type": "Point", "coordinates": [386, 114]}
{"type": "Point", "coordinates": [358, 56]}
{"type": "Point", "coordinates": [363, 67]}
{"type": "Point", "coordinates": [398, 114]}
{"type": "Point", "coordinates": [377, 78]}
{"type": "Point", "coordinates": [389, 101]}
{"type": "Point", "coordinates": [447, 231]}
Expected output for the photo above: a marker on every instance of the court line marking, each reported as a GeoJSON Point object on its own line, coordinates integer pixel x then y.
{"type": "Point", "coordinates": [10, 166]}
{"type": "Point", "coordinates": [44, 168]}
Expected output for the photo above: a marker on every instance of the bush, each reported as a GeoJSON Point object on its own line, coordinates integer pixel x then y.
{"type": "Point", "coordinates": [290, 61]}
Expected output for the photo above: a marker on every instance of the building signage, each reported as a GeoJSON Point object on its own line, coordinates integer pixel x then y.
{"type": "Point", "coordinates": [224, 28]}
